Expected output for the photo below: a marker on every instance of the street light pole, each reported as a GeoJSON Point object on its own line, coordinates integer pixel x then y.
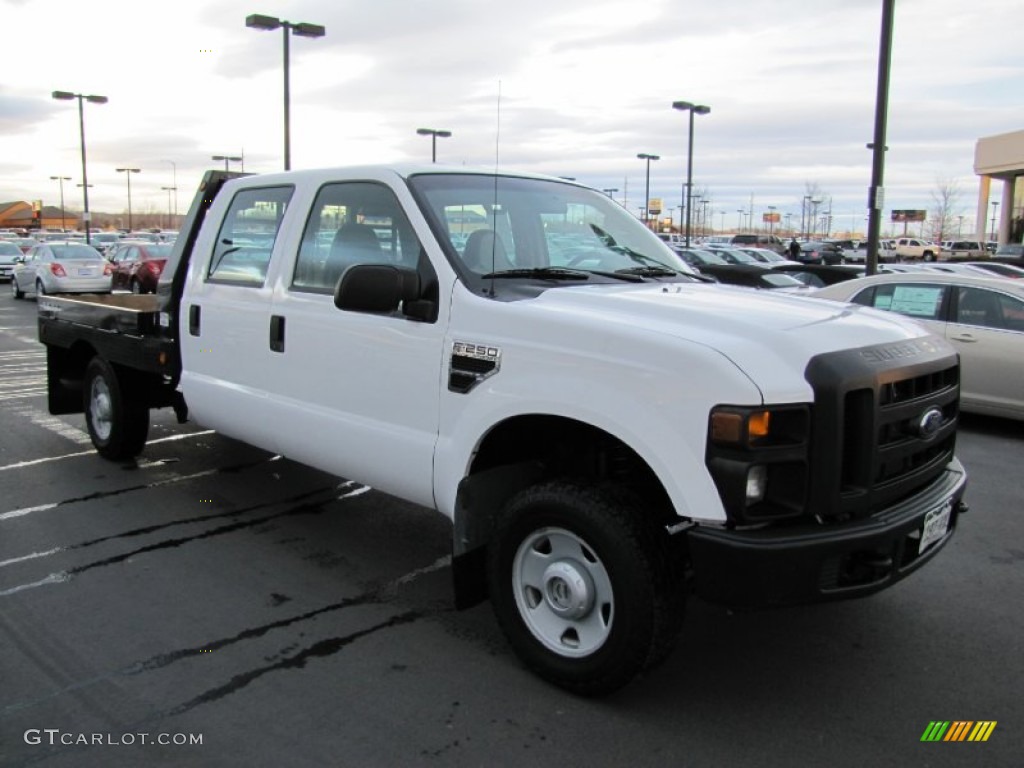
{"type": "Point", "coordinates": [259, 21]}
{"type": "Point", "coordinates": [60, 180]}
{"type": "Point", "coordinates": [68, 96]}
{"type": "Point", "coordinates": [227, 159]}
{"type": "Point", "coordinates": [433, 133]}
{"type": "Point", "coordinates": [647, 187]}
{"type": "Point", "coordinates": [168, 190]}
{"type": "Point", "coordinates": [174, 186]}
{"type": "Point", "coordinates": [128, 174]}
{"type": "Point", "coordinates": [995, 206]}
{"type": "Point", "coordinates": [699, 109]}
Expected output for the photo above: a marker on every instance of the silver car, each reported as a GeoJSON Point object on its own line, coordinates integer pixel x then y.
{"type": "Point", "coordinates": [982, 317]}
{"type": "Point", "coordinates": [9, 254]}
{"type": "Point", "coordinates": [64, 267]}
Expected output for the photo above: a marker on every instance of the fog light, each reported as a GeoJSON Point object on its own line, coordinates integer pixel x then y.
{"type": "Point", "coordinates": [757, 482]}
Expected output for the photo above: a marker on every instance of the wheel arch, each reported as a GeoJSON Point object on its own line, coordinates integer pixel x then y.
{"type": "Point", "coordinates": [527, 449]}
{"type": "Point", "coordinates": [65, 371]}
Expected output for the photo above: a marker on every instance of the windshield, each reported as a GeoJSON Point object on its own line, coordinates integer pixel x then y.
{"type": "Point", "coordinates": [541, 229]}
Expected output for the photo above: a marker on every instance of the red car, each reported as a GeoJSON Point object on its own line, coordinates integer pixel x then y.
{"type": "Point", "coordinates": [138, 265]}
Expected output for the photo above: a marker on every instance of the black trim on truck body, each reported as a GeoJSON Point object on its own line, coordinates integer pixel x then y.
{"type": "Point", "coordinates": [780, 565]}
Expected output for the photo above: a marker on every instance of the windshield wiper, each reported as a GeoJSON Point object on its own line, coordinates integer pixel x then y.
{"type": "Point", "coordinates": [649, 271]}
{"type": "Point", "coordinates": [543, 273]}
{"type": "Point", "coordinates": [636, 256]}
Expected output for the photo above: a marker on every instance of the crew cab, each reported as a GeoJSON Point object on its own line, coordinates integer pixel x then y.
{"type": "Point", "coordinates": [607, 432]}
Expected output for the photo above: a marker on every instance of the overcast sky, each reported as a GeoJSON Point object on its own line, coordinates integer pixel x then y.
{"type": "Point", "coordinates": [584, 86]}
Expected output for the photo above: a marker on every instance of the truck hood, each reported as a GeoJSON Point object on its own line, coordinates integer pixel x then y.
{"type": "Point", "coordinates": [769, 335]}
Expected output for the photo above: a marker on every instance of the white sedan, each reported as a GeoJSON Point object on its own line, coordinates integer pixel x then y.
{"type": "Point", "coordinates": [62, 267]}
{"type": "Point", "coordinates": [983, 317]}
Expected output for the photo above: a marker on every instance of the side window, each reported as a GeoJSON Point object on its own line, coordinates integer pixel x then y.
{"type": "Point", "coordinates": [356, 222]}
{"type": "Point", "coordinates": [987, 309]}
{"type": "Point", "coordinates": [247, 235]}
{"type": "Point", "coordinates": [914, 300]}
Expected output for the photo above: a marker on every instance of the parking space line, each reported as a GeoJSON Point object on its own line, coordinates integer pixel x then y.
{"type": "Point", "coordinates": [33, 462]}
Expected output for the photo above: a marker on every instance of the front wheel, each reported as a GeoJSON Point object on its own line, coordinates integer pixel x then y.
{"type": "Point", "coordinates": [15, 290]}
{"type": "Point", "coordinates": [585, 585]}
{"type": "Point", "coordinates": [117, 421]}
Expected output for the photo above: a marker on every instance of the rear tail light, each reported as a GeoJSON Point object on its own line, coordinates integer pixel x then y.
{"type": "Point", "coordinates": [58, 270]}
{"type": "Point", "coordinates": [108, 268]}
{"type": "Point", "coordinates": [156, 267]}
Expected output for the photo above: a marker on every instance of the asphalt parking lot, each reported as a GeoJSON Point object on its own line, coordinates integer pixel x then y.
{"type": "Point", "coordinates": [210, 592]}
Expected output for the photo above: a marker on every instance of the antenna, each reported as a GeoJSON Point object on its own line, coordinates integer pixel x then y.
{"type": "Point", "coordinates": [494, 204]}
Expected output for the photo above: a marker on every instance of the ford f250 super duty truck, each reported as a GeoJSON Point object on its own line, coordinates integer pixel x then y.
{"type": "Point", "coordinates": [607, 432]}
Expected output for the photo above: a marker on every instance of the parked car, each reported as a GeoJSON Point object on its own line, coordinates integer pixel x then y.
{"type": "Point", "coordinates": [1009, 251]}
{"type": "Point", "coordinates": [972, 249]}
{"type": "Point", "coordinates": [751, 276]}
{"type": "Point", "coordinates": [817, 252]}
{"type": "Point", "coordinates": [768, 257]}
{"type": "Point", "coordinates": [64, 267]}
{"type": "Point", "coordinates": [104, 241]}
{"type": "Point", "coordinates": [771, 242]}
{"type": "Point", "coordinates": [998, 268]}
{"type": "Point", "coordinates": [737, 256]}
{"type": "Point", "coordinates": [916, 248]}
{"type": "Point", "coordinates": [698, 258]}
{"type": "Point", "coordinates": [137, 265]}
{"type": "Point", "coordinates": [25, 243]}
{"type": "Point", "coordinates": [820, 275]}
{"type": "Point", "coordinates": [983, 317]}
{"type": "Point", "coordinates": [9, 253]}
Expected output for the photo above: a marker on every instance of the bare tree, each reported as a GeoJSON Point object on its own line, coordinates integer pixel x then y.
{"type": "Point", "coordinates": [946, 199]}
{"type": "Point", "coordinates": [813, 197]}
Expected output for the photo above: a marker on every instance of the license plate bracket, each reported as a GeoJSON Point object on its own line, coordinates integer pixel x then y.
{"type": "Point", "coordinates": [936, 523]}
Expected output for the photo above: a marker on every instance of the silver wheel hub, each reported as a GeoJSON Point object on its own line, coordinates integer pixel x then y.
{"type": "Point", "coordinates": [563, 592]}
{"type": "Point", "coordinates": [568, 589]}
{"type": "Point", "coordinates": [100, 408]}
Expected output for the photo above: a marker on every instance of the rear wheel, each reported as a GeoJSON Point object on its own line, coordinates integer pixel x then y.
{"type": "Point", "coordinates": [118, 422]}
{"type": "Point", "coordinates": [15, 290]}
{"type": "Point", "coordinates": [40, 288]}
{"type": "Point", "coordinates": [585, 585]}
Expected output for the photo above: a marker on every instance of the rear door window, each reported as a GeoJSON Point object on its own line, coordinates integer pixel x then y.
{"type": "Point", "coordinates": [246, 239]}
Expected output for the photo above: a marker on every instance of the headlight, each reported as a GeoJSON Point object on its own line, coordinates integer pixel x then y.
{"type": "Point", "coordinates": [757, 457]}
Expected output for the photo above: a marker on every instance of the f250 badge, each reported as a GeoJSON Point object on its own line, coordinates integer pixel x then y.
{"type": "Point", "coordinates": [471, 364]}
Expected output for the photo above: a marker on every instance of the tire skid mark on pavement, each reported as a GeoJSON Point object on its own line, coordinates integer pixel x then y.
{"type": "Point", "coordinates": [173, 524]}
{"type": "Point", "coordinates": [98, 495]}
{"type": "Point", "coordinates": [47, 459]}
{"type": "Point", "coordinates": [380, 595]}
{"type": "Point", "coordinates": [314, 507]}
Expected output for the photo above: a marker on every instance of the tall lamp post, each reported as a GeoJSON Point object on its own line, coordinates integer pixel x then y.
{"type": "Point", "coordinates": [303, 29]}
{"type": "Point", "coordinates": [995, 206]}
{"type": "Point", "coordinates": [60, 180]}
{"type": "Point", "coordinates": [168, 190]}
{"type": "Point", "coordinates": [174, 186]}
{"type": "Point", "coordinates": [647, 187]}
{"type": "Point", "coordinates": [227, 159]}
{"type": "Point", "coordinates": [699, 109]}
{"type": "Point", "coordinates": [128, 174]}
{"type": "Point", "coordinates": [610, 191]}
{"type": "Point", "coordinates": [433, 133]}
{"type": "Point", "coordinates": [92, 99]}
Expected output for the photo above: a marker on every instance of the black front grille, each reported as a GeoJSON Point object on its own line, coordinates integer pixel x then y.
{"type": "Point", "coordinates": [885, 421]}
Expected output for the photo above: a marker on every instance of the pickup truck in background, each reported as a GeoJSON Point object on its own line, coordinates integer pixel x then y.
{"type": "Point", "coordinates": [607, 433]}
{"type": "Point", "coordinates": [911, 249]}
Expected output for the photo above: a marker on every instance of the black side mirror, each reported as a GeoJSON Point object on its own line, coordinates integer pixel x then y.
{"type": "Point", "coordinates": [377, 288]}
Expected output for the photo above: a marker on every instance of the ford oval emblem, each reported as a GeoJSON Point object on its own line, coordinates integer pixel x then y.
{"type": "Point", "coordinates": [929, 424]}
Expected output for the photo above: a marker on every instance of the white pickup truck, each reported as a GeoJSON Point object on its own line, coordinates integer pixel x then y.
{"type": "Point", "coordinates": [607, 432]}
